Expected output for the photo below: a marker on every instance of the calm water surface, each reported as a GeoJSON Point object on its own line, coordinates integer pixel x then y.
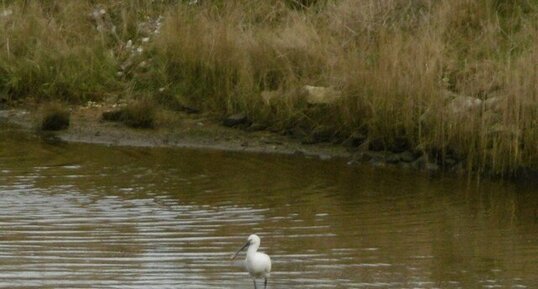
{"type": "Point", "coordinates": [88, 216]}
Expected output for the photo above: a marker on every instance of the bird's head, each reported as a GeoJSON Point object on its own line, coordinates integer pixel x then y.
{"type": "Point", "coordinates": [253, 240]}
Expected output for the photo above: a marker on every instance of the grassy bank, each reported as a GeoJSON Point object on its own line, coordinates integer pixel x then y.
{"type": "Point", "coordinates": [454, 79]}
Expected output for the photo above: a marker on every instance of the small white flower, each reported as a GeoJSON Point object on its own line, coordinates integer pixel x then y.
{"type": "Point", "coordinates": [140, 49]}
{"type": "Point", "coordinates": [102, 11]}
{"type": "Point", "coordinates": [119, 73]}
{"type": "Point", "coordinates": [129, 44]}
{"type": "Point", "coordinates": [145, 39]}
{"type": "Point", "coordinates": [161, 89]}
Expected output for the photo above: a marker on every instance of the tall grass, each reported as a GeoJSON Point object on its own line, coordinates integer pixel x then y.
{"type": "Point", "coordinates": [451, 78]}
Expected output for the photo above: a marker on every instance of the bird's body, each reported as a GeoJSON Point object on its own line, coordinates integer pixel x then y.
{"type": "Point", "coordinates": [258, 264]}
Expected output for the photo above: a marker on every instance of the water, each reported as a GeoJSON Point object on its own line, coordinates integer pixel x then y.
{"type": "Point", "coordinates": [88, 216]}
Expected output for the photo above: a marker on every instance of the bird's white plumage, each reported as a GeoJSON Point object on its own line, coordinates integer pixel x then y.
{"type": "Point", "coordinates": [257, 264]}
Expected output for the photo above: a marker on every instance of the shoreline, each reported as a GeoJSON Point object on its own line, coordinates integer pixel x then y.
{"type": "Point", "coordinates": [202, 131]}
{"type": "Point", "coordinates": [198, 131]}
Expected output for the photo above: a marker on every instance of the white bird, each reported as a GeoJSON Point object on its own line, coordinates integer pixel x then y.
{"type": "Point", "coordinates": [258, 264]}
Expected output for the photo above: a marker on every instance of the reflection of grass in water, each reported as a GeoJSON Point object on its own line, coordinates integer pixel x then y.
{"type": "Point", "coordinates": [397, 65]}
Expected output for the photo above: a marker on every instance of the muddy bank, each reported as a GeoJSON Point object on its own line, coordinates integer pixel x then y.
{"type": "Point", "coordinates": [176, 130]}
{"type": "Point", "coordinates": [203, 131]}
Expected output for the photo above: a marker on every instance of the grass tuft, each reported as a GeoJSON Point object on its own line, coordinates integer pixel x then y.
{"type": "Point", "coordinates": [140, 114]}
{"type": "Point", "coordinates": [55, 117]}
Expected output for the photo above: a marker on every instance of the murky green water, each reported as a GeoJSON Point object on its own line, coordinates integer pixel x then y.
{"type": "Point", "coordinates": [87, 216]}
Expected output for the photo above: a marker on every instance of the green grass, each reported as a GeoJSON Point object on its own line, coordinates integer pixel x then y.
{"type": "Point", "coordinates": [398, 65]}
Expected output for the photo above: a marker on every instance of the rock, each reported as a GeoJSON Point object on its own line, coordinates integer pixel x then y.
{"type": "Point", "coordinates": [320, 94]}
{"type": "Point", "coordinates": [235, 119]}
{"type": "Point", "coordinates": [354, 140]}
{"type": "Point", "coordinates": [324, 157]}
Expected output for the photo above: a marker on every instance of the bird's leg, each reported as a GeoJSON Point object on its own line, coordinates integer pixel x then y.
{"type": "Point", "coordinates": [255, 287]}
{"type": "Point", "coordinates": [265, 284]}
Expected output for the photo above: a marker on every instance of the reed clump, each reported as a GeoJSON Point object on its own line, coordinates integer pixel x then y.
{"type": "Point", "coordinates": [140, 114]}
{"type": "Point", "coordinates": [55, 116]}
{"type": "Point", "coordinates": [452, 79]}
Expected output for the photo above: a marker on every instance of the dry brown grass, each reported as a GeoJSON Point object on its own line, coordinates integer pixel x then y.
{"type": "Point", "coordinates": [406, 69]}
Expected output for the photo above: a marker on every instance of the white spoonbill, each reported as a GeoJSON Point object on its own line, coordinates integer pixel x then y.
{"type": "Point", "coordinates": [258, 264]}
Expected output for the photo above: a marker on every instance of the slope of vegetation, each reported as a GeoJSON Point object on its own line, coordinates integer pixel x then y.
{"type": "Point", "coordinates": [449, 78]}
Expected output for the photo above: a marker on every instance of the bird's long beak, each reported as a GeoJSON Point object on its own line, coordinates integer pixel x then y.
{"type": "Point", "coordinates": [242, 248]}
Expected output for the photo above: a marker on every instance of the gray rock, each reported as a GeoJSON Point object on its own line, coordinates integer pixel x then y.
{"type": "Point", "coordinates": [324, 157]}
